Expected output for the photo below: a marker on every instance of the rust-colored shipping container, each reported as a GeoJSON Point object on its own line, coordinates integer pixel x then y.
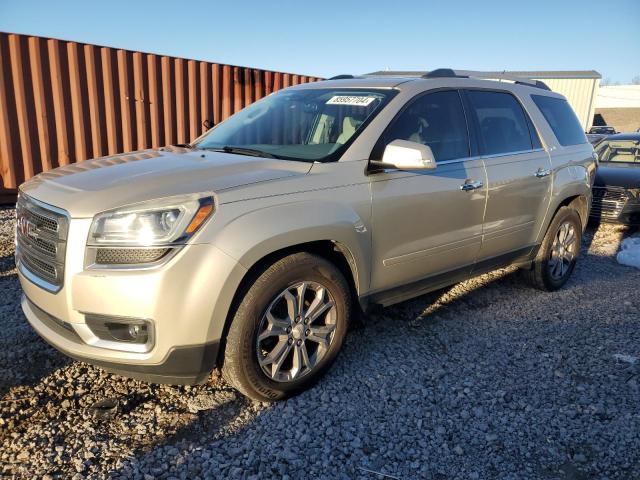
{"type": "Point", "coordinates": [63, 102]}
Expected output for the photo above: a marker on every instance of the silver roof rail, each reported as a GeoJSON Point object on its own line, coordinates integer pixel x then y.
{"type": "Point", "coordinates": [448, 72]}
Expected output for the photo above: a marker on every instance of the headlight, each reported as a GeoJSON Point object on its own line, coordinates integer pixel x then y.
{"type": "Point", "coordinates": [151, 223]}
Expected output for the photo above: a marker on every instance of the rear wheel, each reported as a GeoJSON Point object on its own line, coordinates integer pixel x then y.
{"type": "Point", "coordinates": [288, 328]}
{"type": "Point", "coordinates": [558, 253]}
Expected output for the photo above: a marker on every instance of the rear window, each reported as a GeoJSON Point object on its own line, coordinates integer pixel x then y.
{"type": "Point", "coordinates": [502, 122]}
{"type": "Point", "coordinates": [562, 120]}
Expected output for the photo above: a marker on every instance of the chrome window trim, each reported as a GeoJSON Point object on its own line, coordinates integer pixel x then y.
{"type": "Point", "coordinates": [457, 160]}
{"type": "Point", "coordinates": [468, 159]}
{"type": "Point", "coordinates": [493, 155]}
{"type": "Point", "coordinates": [519, 152]}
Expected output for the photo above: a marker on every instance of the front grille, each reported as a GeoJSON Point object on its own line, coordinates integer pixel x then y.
{"type": "Point", "coordinates": [41, 241]}
{"type": "Point", "coordinates": [608, 202]}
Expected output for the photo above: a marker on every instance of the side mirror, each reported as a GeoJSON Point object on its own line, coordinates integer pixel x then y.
{"type": "Point", "coordinates": [208, 124]}
{"type": "Point", "coordinates": [406, 155]}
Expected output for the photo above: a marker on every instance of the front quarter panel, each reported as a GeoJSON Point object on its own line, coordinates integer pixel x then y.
{"type": "Point", "coordinates": [252, 229]}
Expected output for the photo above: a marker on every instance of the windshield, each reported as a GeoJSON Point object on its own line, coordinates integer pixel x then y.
{"type": "Point", "coordinates": [623, 151]}
{"type": "Point", "coordinates": [305, 124]}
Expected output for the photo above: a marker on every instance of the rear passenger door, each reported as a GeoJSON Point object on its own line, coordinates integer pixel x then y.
{"type": "Point", "coordinates": [518, 174]}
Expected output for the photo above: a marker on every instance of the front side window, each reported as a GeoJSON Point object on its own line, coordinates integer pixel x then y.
{"type": "Point", "coordinates": [301, 124]}
{"type": "Point", "coordinates": [435, 119]}
{"type": "Point", "coordinates": [503, 126]}
{"type": "Point", "coordinates": [619, 151]}
{"type": "Point", "coordinates": [562, 120]}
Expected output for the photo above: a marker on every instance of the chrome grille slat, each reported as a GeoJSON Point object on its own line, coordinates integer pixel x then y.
{"type": "Point", "coordinates": [41, 236]}
{"type": "Point", "coordinates": [44, 223]}
{"type": "Point", "coordinates": [43, 246]}
{"type": "Point", "coordinates": [608, 202]}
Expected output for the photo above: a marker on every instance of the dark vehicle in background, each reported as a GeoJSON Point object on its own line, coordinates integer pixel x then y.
{"type": "Point", "coordinates": [616, 191]}
{"type": "Point", "coordinates": [596, 134]}
{"type": "Point", "coordinates": [595, 138]}
{"type": "Point", "coordinates": [603, 130]}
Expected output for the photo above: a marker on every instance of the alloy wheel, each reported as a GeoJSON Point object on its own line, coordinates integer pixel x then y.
{"type": "Point", "coordinates": [296, 331]}
{"type": "Point", "coordinates": [563, 251]}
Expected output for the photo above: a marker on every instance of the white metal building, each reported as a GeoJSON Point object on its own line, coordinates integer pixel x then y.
{"type": "Point", "coordinates": [579, 87]}
{"type": "Point", "coordinates": [619, 106]}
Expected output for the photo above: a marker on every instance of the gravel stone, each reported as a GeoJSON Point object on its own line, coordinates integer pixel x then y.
{"type": "Point", "coordinates": [484, 379]}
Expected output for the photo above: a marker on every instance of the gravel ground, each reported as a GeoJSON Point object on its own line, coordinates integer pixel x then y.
{"type": "Point", "coordinates": [488, 379]}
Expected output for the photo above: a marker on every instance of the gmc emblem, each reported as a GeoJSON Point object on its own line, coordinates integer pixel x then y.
{"type": "Point", "coordinates": [26, 228]}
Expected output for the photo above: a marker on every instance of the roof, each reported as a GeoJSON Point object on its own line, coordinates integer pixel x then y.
{"type": "Point", "coordinates": [537, 74]}
{"type": "Point", "coordinates": [417, 83]}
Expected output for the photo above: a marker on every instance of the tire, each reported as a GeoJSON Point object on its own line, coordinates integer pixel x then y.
{"type": "Point", "coordinates": [555, 261]}
{"type": "Point", "coordinates": [262, 328]}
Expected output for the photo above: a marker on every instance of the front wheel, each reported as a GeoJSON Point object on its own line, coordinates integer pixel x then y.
{"type": "Point", "coordinates": [558, 253]}
{"type": "Point", "coordinates": [288, 328]}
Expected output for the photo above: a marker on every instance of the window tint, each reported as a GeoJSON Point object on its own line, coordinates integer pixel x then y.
{"type": "Point", "coordinates": [501, 121]}
{"type": "Point", "coordinates": [437, 120]}
{"type": "Point", "coordinates": [562, 120]}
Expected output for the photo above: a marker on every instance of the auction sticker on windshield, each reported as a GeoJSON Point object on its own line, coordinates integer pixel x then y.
{"type": "Point", "coordinates": [350, 100]}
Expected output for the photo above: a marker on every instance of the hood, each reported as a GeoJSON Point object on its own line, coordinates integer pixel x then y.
{"type": "Point", "coordinates": [610, 174]}
{"type": "Point", "coordinates": [86, 188]}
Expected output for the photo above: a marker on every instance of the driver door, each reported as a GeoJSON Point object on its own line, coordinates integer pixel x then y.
{"type": "Point", "coordinates": [427, 225]}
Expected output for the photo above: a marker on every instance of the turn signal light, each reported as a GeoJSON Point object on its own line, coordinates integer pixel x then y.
{"type": "Point", "coordinates": [203, 213]}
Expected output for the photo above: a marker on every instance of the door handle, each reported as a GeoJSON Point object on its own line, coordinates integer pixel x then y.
{"type": "Point", "coordinates": [469, 185]}
{"type": "Point", "coordinates": [542, 173]}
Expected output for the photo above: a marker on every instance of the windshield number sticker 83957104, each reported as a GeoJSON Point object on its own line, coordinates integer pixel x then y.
{"type": "Point", "coordinates": [350, 100]}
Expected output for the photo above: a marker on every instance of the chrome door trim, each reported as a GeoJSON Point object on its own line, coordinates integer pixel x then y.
{"type": "Point", "coordinates": [507, 154]}
{"type": "Point", "coordinates": [483, 157]}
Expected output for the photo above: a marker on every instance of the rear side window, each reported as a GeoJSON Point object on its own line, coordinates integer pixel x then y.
{"type": "Point", "coordinates": [435, 119]}
{"type": "Point", "coordinates": [562, 120]}
{"type": "Point", "coordinates": [501, 121]}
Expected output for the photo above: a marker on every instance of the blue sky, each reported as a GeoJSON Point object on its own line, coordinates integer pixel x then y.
{"type": "Point", "coordinates": [331, 37]}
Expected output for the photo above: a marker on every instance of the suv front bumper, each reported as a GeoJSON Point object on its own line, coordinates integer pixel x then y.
{"type": "Point", "coordinates": [182, 365]}
{"type": "Point", "coordinates": [187, 300]}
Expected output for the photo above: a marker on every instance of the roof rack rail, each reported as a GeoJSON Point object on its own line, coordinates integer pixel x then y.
{"type": "Point", "coordinates": [341, 77]}
{"type": "Point", "coordinates": [443, 73]}
{"type": "Point", "coordinates": [450, 73]}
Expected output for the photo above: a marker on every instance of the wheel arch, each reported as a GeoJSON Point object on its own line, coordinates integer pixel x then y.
{"type": "Point", "coordinates": [333, 251]}
{"type": "Point", "coordinates": [579, 202]}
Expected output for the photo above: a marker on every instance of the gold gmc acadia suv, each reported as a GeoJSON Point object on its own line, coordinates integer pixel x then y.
{"type": "Point", "coordinates": [252, 248]}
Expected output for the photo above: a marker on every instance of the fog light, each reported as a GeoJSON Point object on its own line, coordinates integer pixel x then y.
{"type": "Point", "coordinates": [121, 329]}
{"type": "Point", "coordinates": [132, 332]}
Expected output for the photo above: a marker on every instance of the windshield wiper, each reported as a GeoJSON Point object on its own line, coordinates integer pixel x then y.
{"type": "Point", "coordinates": [244, 151]}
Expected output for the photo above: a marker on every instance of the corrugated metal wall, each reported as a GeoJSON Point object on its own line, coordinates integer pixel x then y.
{"type": "Point", "coordinates": [581, 94]}
{"type": "Point", "coordinates": [64, 102]}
